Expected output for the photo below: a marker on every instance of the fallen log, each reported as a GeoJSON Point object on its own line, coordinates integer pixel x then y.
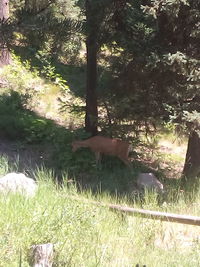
{"type": "Point", "coordinates": [156, 215]}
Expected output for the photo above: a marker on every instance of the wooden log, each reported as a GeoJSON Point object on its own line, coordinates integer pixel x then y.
{"type": "Point", "coordinates": [157, 215]}
{"type": "Point", "coordinates": [41, 255]}
{"type": "Point", "coordinates": [149, 214]}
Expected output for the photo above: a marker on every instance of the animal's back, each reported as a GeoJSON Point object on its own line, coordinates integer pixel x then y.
{"type": "Point", "coordinates": [109, 146]}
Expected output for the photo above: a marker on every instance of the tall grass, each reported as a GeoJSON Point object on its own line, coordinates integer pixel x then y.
{"type": "Point", "coordinates": [84, 234]}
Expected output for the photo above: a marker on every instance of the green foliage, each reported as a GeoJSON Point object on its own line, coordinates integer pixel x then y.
{"type": "Point", "coordinates": [18, 123]}
{"type": "Point", "coordinates": [12, 101]}
{"type": "Point", "coordinates": [11, 122]}
{"type": "Point", "coordinates": [39, 130]}
{"type": "Point", "coordinates": [4, 166]}
{"type": "Point", "coordinates": [22, 90]}
{"type": "Point", "coordinates": [49, 71]}
{"type": "Point", "coordinates": [192, 121]}
{"type": "Point", "coordinates": [154, 67]}
{"type": "Point", "coordinates": [64, 158]}
{"type": "Point", "coordinates": [57, 25]}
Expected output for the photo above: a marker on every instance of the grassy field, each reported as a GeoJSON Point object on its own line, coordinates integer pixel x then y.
{"type": "Point", "coordinates": [84, 234]}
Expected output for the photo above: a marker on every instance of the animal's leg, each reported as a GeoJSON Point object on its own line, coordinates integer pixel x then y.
{"type": "Point", "coordinates": [98, 160]}
{"type": "Point", "coordinates": [127, 162]}
{"type": "Point", "coordinates": [98, 157]}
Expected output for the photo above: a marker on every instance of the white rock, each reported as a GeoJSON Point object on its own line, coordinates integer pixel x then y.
{"type": "Point", "coordinates": [18, 183]}
{"type": "Point", "coordinates": [149, 181]}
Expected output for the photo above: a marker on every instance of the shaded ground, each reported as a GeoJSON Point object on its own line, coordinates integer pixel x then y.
{"type": "Point", "coordinates": [25, 157]}
{"type": "Point", "coordinates": [167, 158]}
{"type": "Point", "coordinates": [28, 156]}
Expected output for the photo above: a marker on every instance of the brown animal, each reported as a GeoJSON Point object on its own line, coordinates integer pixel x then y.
{"type": "Point", "coordinates": [104, 145]}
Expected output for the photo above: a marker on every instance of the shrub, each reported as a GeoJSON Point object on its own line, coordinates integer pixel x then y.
{"type": "Point", "coordinates": [18, 123]}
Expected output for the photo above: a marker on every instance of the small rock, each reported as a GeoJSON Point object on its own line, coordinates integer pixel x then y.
{"type": "Point", "coordinates": [149, 181]}
{"type": "Point", "coordinates": [18, 183]}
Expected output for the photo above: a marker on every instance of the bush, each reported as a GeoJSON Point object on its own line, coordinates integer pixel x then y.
{"type": "Point", "coordinates": [18, 123]}
{"type": "Point", "coordinates": [64, 158]}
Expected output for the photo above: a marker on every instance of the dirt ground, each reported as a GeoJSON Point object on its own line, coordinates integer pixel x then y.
{"type": "Point", "coordinates": [23, 157]}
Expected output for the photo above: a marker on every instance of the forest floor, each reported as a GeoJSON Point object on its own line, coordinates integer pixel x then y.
{"type": "Point", "coordinates": [23, 157]}
{"type": "Point", "coordinates": [167, 157]}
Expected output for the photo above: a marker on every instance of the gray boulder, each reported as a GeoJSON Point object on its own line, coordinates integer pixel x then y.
{"type": "Point", "coordinates": [149, 181]}
{"type": "Point", "coordinates": [18, 183]}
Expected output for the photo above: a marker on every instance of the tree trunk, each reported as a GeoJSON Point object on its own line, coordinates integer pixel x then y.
{"type": "Point", "coordinates": [91, 117]}
{"type": "Point", "coordinates": [192, 162]}
{"type": "Point", "coordinates": [4, 15]}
